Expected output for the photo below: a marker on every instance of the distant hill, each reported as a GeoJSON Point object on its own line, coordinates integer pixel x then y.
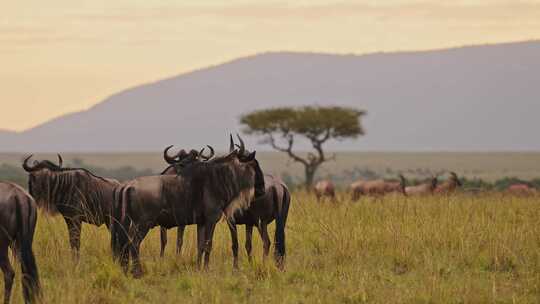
{"type": "Point", "coordinates": [465, 99]}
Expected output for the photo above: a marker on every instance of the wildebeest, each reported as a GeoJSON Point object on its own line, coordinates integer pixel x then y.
{"type": "Point", "coordinates": [274, 205]}
{"type": "Point", "coordinates": [521, 189]}
{"type": "Point", "coordinates": [18, 216]}
{"type": "Point", "coordinates": [199, 194]}
{"type": "Point", "coordinates": [450, 185]}
{"type": "Point", "coordinates": [76, 193]}
{"type": "Point", "coordinates": [377, 187]}
{"type": "Point", "coordinates": [425, 188]}
{"type": "Point", "coordinates": [176, 162]}
{"type": "Point", "coordinates": [325, 188]}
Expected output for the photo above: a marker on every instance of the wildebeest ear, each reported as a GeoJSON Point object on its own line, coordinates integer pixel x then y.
{"type": "Point", "coordinates": [251, 156]}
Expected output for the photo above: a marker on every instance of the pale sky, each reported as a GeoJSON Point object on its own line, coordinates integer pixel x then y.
{"type": "Point", "coordinates": [62, 56]}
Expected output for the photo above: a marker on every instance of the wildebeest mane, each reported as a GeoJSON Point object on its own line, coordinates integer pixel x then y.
{"type": "Point", "coordinates": [166, 169]}
{"type": "Point", "coordinates": [55, 168]}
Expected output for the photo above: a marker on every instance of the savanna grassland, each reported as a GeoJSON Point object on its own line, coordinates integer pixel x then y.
{"type": "Point", "coordinates": [458, 249]}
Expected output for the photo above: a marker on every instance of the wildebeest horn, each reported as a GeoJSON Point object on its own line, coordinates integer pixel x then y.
{"type": "Point", "coordinates": [242, 146]}
{"type": "Point", "coordinates": [25, 165]}
{"type": "Point", "coordinates": [207, 157]}
{"type": "Point", "coordinates": [60, 161]}
{"type": "Point", "coordinates": [231, 145]}
{"type": "Point", "coordinates": [170, 160]}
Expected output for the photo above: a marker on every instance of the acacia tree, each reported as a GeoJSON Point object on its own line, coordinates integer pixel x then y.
{"type": "Point", "coordinates": [280, 127]}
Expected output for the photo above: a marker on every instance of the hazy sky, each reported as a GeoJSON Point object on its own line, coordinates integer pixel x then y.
{"type": "Point", "coordinates": [61, 56]}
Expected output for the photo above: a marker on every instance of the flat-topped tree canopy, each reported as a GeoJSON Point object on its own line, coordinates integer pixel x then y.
{"type": "Point", "coordinates": [316, 123]}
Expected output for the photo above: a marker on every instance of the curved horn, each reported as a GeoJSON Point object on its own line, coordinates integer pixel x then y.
{"type": "Point", "coordinates": [242, 145]}
{"type": "Point", "coordinates": [207, 157]}
{"type": "Point", "coordinates": [231, 145]}
{"type": "Point", "coordinates": [60, 161]}
{"type": "Point", "coordinates": [170, 160]}
{"type": "Point", "coordinates": [25, 165]}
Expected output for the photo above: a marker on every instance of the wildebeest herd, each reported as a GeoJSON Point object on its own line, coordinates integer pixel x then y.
{"type": "Point", "coordinates": [195, 189]}
{"type": "Point", "coordinates": [381, 187]}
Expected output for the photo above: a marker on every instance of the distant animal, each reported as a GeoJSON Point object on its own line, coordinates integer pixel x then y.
{"type": "Point", "coordinates": [325, 188]}
{"type": "Point", "coordinates": [425, 188]}
{"type": "Point", "coordinates": [376, 187]}
{"type": "Point", "coordinates": [274, 205]}
{"type": "Point", "coordinates": [18, 216]}
{"type": "Point", "coordinates": [200, 194]}
{"type": "Point", "coordinates": [76, 193]}
{"type": "Point", "coordinates": [449, 186]}
{"type": "Point", "coordinates": [176, 162]}
{"type": "Point", "coordinates": [521, 189]}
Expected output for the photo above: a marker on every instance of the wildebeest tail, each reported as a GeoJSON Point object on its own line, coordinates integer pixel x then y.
{"type": "Point", "coordinates": [120, 222]}
{"type": "Point", "coordinates": [115, 214]}
{"type": "Point", "coordinates": [26, 224]}
{"type": "Point", "coordinates": [281, 221]}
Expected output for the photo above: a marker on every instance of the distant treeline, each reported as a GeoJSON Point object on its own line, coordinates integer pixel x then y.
{"type": "Point", "coordinates": [414, 176]}
{"type": "Point", "coordinates": [17, 175]}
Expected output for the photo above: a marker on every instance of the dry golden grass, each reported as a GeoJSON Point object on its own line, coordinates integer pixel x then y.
{"type": "Point", "coordinates": [459, 249]}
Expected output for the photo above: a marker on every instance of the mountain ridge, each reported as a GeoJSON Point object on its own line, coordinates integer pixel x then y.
{"type": "Point", "coordinates": [139, 118]}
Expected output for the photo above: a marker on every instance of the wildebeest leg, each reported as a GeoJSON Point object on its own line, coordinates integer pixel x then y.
{"type": "Point", "coordinates": [249, 237]}
{"type": "Point", "coordinates": [124, 259]}
{"type": "Point", "coordinates": [234, 243]}
{"type": "Point", "coordinates": [208, 235]}
{"type": "Point", "coordinates": [139, 235]}
{"type": "Point", "coordinates": [163, 237]}
{"type": "Point", "coordinates": [200, 244]}
{"type": "Point", "coordinates": [74, 230]}
{"type": "Point", "coordinates": [263, 231]}
{"type": "Point", "coordinates": [180, 238]}
{"type": "Point", "coordinates": [9, 274]}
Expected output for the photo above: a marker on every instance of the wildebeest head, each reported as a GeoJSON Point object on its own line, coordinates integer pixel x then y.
{"type": "Point", "coordinates": [454, 178]}
{"type": "Point", "coordinates": [248, 158]}
{"type": "Point", "coordinates": [74, 190]}
{"type": "Point", "coordinates": [39, 180]}
{"type": "Point", "coordinates": [192, 155]}
{"type": "Point", "coordinates": [183, 159]}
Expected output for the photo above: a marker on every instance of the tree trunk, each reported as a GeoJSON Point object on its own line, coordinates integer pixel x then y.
{"type": "Point", "coordinates": [310, 175]}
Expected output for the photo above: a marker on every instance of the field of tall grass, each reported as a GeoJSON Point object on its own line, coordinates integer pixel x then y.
{"type": "Point", "coordinates": [457, 249]}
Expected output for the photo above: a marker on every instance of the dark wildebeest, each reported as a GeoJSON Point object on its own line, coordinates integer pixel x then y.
{"type": "Point", "coordinates": [18, 217]}
{"type": "Point", "coordinates": [182, 158]}
{"type": "Point", "coordinates": [325, 188]}
{"type": "Point", "coordinates": [76, 193]}
{"type": "Point", "coordinates": [378, 187]}
{"type": "Point", "coordinates": [450, 185]}
{"type": "Point", "coordinates": [425, 188]}
{"type": "Point", "coordinates": [199, 194]}
{"type": "Point", "coordinates": [274, 205]}
{"type": "Point", "coordinates": [521, 189]}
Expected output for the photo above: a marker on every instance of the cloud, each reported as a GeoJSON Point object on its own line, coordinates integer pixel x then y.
{"type": "Point", "coordinates": [139, 25]}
